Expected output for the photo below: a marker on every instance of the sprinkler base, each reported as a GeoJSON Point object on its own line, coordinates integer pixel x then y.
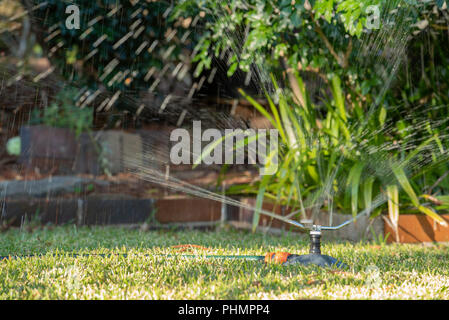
{"type": "Point", "coordinates": [315, 259]}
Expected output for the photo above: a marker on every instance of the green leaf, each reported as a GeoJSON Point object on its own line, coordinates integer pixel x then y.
{"type": "Point", "coordinates": [393, 207]}
{"type": "Point", "coordinates": [354, 182]}
{"type": "Point", "coordinates": [405, 184]}
{"type": "Point", "coordinates": [259, 201]}
{"type": "Point", "coordinates": [368, 192]}
{"type": "Point", "coordinates": [232, 68]}
{"type": "Point", "coordinates": [259, 108]}
{"type": "Point", "coordinates": [429, 212]}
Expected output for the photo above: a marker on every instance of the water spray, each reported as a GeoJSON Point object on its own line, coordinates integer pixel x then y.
{"type": "Point", "coordinates": [314, 257]}
{"type": "Point", "coordinates": [371, 45]}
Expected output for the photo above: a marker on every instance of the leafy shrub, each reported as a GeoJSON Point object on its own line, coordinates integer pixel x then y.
{"type": "Point", "coordinates": [63, 113]}
{"type": "Point", "coordinates": [121, 46]}
{"type": "Point", "coordinates": [324, 163]}
{"type": "Point", "coordinates": [319, 37]}
{"type": "Point", "coordinates": [358, 147]}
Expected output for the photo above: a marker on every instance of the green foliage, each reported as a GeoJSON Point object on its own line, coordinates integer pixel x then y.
{"type": "Point", "coordinates": [328, 163]}
{"type": "Point", "coordinates": [13, 146]}
{"type": "Point", "coordinates": [319, 36]}
{"type": "Point", "coordinates": [274, 29]}
{"type": "Point", "coordinates": [379, 239]}
{"type": "Point", "coordinates": [326, 149]}
{"type": "Point", "coordinates": [425, 75]}
{"type": "Point", "coordinates": [63, 113]}
{"type": "Point", "coordinates": [322, 37]}
{"type": "Point", "coordinates": [120, 45]}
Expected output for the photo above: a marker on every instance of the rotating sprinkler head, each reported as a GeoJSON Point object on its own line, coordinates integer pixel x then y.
{"type": "Point", "coordinates": [313, 258]}
{"type": "Point", "coordinates": [315, 232]}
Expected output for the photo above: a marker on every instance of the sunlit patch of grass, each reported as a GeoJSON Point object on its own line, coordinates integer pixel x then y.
{"type": "Point", "coordinates": [376, 272]}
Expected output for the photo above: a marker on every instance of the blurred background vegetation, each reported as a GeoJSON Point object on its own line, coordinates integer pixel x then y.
{"type": "Point", "coordinates": [361, 112]}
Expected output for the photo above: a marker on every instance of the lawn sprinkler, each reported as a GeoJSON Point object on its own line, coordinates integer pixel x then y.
{"type": "Point", "coordinates": [315, 232]}
{"type": "Point", "coordinates": [313, 258]}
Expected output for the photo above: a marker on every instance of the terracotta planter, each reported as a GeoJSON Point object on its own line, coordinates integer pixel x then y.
{"type": "Point", "coordinates": [418, 228]}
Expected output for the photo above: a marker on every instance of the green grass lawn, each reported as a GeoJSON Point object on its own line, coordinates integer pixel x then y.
{"type": "Point", "coordinates": [376, 271]}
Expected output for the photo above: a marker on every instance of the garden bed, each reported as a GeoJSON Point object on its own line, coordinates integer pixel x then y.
{"type": "Point", "coordinates": [124, 199]}
{"type": "Point", "coordinates": [87, 200]}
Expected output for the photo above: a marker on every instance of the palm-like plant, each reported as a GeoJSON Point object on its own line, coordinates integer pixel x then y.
{"type": "Point", "coordinates": [335, 158]}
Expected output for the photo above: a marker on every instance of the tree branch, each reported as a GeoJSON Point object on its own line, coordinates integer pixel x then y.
{"type": "Point", "coordinates": [342, 60]}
